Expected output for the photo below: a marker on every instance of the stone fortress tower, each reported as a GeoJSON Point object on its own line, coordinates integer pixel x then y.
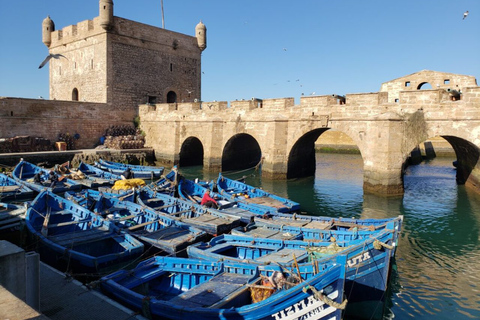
{"type": "Point", "coordinates": [122, 62]}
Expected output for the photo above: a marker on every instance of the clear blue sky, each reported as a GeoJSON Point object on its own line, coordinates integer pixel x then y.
{"type": "Point", "coordinates": [260, 48]}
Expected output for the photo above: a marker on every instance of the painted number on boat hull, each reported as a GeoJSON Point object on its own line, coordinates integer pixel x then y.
{"type": "Point", "coordinates": [308, 308]}
{"type": "Point", "coordinates": [357, 259]}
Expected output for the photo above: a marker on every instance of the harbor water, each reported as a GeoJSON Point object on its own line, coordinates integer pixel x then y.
{"type": "Point", "coordinates": [437, 269]}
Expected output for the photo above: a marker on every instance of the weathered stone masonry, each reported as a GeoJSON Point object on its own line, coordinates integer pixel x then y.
{"type": "Point", "coordinates": [384, 131]}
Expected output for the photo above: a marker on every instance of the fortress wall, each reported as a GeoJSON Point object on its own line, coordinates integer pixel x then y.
{"type": "Point", "coordinates": [245, 105]}
{"type": "Point", "coordinates": [157, 36]}
{"type": "Point", "coordinates": [49, 118]}
{"type": "Point", "coordinates": [148, 61]}
{"type": "Point", "coordinates": [84, 69]}
{"type": "Point", "coordinates": [276, 104]}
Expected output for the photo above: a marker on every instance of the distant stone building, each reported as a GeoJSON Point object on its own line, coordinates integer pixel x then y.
{"type": "Point", "coordinates": [122, 62]}
{"type": "Point", "coordinates": [427, 79]}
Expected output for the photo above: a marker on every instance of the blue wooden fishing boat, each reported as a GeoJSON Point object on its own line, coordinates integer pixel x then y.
{"type": "Point", "coordinates": [269, 228]}
{"type": "Point", "coordinates": [166, 184]}
{"type": "Point", "coordinates": [25, 173]}
{"type": "Point", "coordinates": [176, 288]}
{"type": "Point", "coordinates": [242, 192]}
{"type": "Point", "coordinates": [146, 224]}
{"type": "Point", "coordinates": [368, 260]}
{"type": "Point", "coordinates": [191, 191]}
{"type": "Point", "coordinates": [139, 171]}
{"type": "Point", "coordinates": [11, 216]}
{"type": "Point", "coordinates": [96, 177]}
{"type": "Point", "coordinates": [11, 189]}
{"type": "Point", "coordinates": [211, 221]}
{"type": "Point", "coordinates": [251, 250]}
{"type": "Point", "coordinates": [74, 238]}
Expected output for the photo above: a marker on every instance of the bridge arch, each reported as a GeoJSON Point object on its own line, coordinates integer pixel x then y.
{"type": "Point", "coordinates": [467, 155]}
{"type": "Point", "coordinates": [301, 158]}
{"type": "Point", "coordinates": [191, 152]}
{"type": "Point", "coordinates": [241, 151]}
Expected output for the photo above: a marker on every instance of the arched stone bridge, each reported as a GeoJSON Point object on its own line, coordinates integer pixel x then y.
{"type": "Point", "coordinates": [386, 126]}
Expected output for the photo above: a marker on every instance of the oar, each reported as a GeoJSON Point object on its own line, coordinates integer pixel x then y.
{"type": "Point", "coordinates": [296, 266]}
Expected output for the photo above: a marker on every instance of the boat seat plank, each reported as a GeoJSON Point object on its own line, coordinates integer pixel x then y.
{"type": "Point", "coordinates": [266, 233]}
{"type": "Point", "coordinates": [165, 234]}
{"type": "Point", "coordinates": [67, 223]}
{"type": "Point", "coordinates": [266, 201]}
{"type": "Point", "coordinates": [9, 188]}
{"type": "Point", "coordinates": [80, 236]}
{"type": "Point", "coordinates": [283, 256]}
{"type": "Point", "coordinates": [212, 291]}
{"type": "Point", "coordinates": [318, 225]}
{"type": "Point", "coordinates": [207, 218]}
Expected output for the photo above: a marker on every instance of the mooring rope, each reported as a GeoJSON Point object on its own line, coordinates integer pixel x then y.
{"type": "Point", "coordinates": [321, 297]}
{"type": "Point", "coordinates": [377, 244]}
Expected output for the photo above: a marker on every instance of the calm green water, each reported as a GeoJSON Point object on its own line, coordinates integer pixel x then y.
{"type": "Point", "coordinates": [438, 257]}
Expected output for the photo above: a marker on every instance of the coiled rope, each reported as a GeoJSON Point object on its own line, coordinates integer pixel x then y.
{"type": "Point", "coordinates": [321, 297]}
{"type": "Point", "coordinates": [377, 244]}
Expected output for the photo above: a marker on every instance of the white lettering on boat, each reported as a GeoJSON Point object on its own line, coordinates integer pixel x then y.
{"type": "Point", "coordinates": [364, 256]}
{"type": "Point", "coordinates": [308, 308]}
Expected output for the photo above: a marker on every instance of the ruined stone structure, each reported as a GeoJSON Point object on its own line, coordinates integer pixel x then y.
{"type": "Point", "coordinates": [122, 62]}
{"type": "Point", "coordinates": [282, 134]}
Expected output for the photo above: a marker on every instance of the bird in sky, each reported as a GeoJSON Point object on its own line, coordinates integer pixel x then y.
{"type": "Point", "coordinates": [50, 56]}
{"type": "Point", "coordinates": [465, 14]}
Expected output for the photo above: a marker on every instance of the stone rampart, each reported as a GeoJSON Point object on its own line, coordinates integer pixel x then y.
{"type": "Point", "coordinates": [49, 118]}
{"type": "Point", "coordinates": [384, 132]}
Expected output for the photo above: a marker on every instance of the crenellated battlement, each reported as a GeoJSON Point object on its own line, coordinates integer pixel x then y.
{"type": "Point", "coordinates": [76, 32]}
{"type": "Point", "coordinates": [354, 106]}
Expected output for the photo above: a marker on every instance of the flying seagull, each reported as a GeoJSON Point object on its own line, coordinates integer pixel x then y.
{"type": "Point", "coordinates": [465, 14]}
{"type": "Point", "coordinates": [50, 56]}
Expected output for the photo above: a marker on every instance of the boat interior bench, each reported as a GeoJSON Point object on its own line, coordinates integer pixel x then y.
{"type": "Point", "coordinates": [81, 236]}
{"type": "Point", "coordinates": [284, 256]}
{"type": "Point", "coordinates": [215, 292]}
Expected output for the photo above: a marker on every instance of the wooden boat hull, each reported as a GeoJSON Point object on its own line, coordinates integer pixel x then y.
{"type": "Point", "coordinates": [191, 191]}
{"type": "Point", "coordinates": [242, 192]}
{"type": "Point", "coordinates": [144, 223]}
{"type": "Point", "coordinates": [25, 171]}
{"type": "Point", "coordinates": [11, 216]}
{"type": "Point", "coordinates": [211, 221]}
{"type": "Point", "coordinates": [312, 229]}
{"type": "Point", "coordinates": [10, 189]}
{"type": "Point", "coordinates": [75, 238]}
{"type": "Point", "coordinates": [141, 172]}
{"type": "Point", "coordinates": [96, 177]}
{"type": "Point", "coordinates": [367, 266]}
{"type": "Point", "coordinates": [221, 290]}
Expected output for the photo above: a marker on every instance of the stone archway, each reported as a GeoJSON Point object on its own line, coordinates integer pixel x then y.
{"type": "Point", "coordinates": [171, 97]}
{"type": "Point", "coordinates": [468, 155]}
{"type": "Point", "coordinates": [191, 152]}
{"type": "Point", "coordinates": [241, 151]}
{"type": "Point", "coordinates": [75, 94]}
{"type": "Point", "coordinates": [424, 86]}
{"type": "Point", "coordinates": [301, 159]}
